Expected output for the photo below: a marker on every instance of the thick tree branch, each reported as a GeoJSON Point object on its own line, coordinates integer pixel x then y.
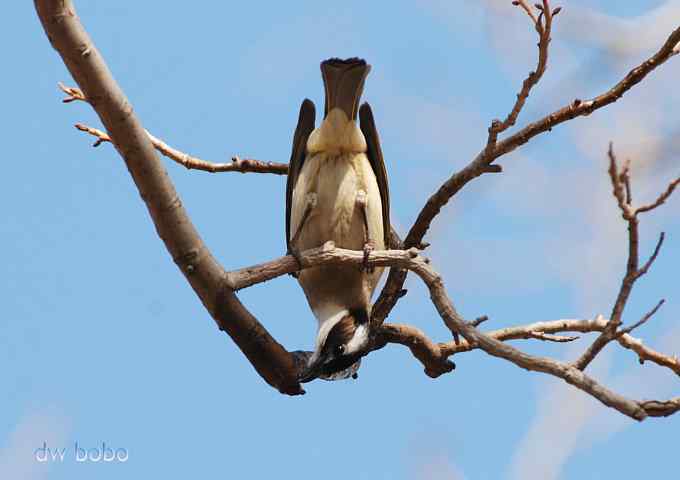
{"type": "Point", "coordinates": [64, 30]}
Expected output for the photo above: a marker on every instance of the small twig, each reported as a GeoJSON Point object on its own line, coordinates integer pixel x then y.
{"type": "Point", "coordinates": [618, 185]}
{"type": "Point", "coordinates": [621, 189]}
{"type": "Point", "coordinates": [642, 321]}
{"type": "Point", "coordinates": [479, 320]}
{"type": "Point", "coordinates": [625, 178]}
{"type": "Point", "coordinates": [553, 338]}
{"type": "Point", "coordinates": [543, 26]}
{"type": "Point", "coordinates": [236, 165]}
{"type": "Point", "coordinates": [657, 249]}
{"type": "Point", "coordinates": [524, 6]}
{"type": "Point", "coordinates": [662, 198]}
{"type": "Point", "coordinates": [73, 93]}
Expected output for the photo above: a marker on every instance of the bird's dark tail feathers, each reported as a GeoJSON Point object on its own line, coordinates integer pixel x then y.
{"type": "Point", "coordinates": [344, 83]}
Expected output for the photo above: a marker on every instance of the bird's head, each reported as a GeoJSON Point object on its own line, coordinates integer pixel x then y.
{"type": "Point", "coordinates": [340, 347]}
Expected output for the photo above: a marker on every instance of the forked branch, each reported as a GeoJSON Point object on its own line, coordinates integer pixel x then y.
{"type": "Point", "coordinates": [621, 188]}
{"type": "Point", "coordinates": [495, 149]}
{"type": "Point", "coordinates": [435, 356]}
{"type": "Point", "coordinates": [237, 164]}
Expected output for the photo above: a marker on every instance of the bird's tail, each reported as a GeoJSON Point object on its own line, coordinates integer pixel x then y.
{"type": "Point", "coordinates": [344, 83]}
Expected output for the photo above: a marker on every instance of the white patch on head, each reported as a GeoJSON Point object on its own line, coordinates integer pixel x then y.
{"type": "Point", "coordinates": [358, 341]}
{"type": "Point", "coordinates": [327, 320]}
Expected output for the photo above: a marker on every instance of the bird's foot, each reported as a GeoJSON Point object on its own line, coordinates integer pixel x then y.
{"type": "Point", "coordinates": [295, 252]}
{"type": "Point", "coordinates": [369, 246]}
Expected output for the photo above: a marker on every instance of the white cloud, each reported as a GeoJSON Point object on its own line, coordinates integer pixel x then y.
{"type": "Point", "coordinates": [17, 456]}
{"type": "Point", "coordinates": [439, 468]}
{"type": "Point", "coordinates": [569, 421]}
{"type": "Point", "coordinates": [621, 37]}
{"type": "Point", "coordinates": [555, 431]}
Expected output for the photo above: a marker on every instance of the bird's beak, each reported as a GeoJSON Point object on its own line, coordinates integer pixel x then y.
{"type": "Point", "coordinates": [319, 369]}
{"type": "Point", "coordinates": [314, 369]}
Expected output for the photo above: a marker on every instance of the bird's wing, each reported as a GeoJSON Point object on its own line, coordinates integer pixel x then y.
{"type": "Point", "coordinates": [305, 125]}
{"type": "Point", "coordinates": [375, 157]}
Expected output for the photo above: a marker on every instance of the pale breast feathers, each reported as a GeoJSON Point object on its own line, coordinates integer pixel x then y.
{"type": "Point", "coordinates": [336, 180]}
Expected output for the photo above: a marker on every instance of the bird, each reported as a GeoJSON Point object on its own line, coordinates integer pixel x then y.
{"type": "Point", "coordinates": [337, 191]}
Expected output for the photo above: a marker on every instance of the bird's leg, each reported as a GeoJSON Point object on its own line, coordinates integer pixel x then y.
{"type": "Point", "coordinates": [310, 203]}
{"type": "Point", "coordinates": [369, 244]}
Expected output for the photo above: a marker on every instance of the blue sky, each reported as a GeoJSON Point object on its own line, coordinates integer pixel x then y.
{"type": "Point", "coordinates": [102, 340]}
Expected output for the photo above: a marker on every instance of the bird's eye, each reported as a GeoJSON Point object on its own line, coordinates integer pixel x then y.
{"type": "Point", "coordinates": [339, 350]}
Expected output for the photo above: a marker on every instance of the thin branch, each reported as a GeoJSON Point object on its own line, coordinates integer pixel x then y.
{"type": "Point", "coordinates": [597, 324]}
{"type": "Point", "coordinates": [662, 198]}
{"type": "Point", "coordinates": [573, 110]}
{"type": "Point", "coordinates": [621, 189]}
{"type": "Point", "coordinates": [643, 320]}
{"type": "Point", "coordinates": [553, 338]}
{"type": "Point", "coordinates": [543, 26]}
{"type": "Point", "coordinates": [237, 164]}
{"type": "Point", "coordinates": [652, 258]}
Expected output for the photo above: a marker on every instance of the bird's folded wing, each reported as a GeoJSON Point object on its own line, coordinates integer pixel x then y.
{"type": "Point", "coordinates": [304, 127]}
{"type": "Point", "coordinates": [375, 157]}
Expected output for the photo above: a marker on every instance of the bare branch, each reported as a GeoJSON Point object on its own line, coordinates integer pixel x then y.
{"type": "Point", "coordinates": [411, 259]}
{"type": "Point", "coordinates": [621, 190]}
{"type": "Point", "coordinates": [73, 94]}
{"type": "Point", "coordinates": [655, 408]}
{"type": "Point", "coordinates": [543, 26]}
{"type": "Point", "coordinates": [553, 338]}
{"type": "Point", "coordinates": [597, 324]}
{"type": "Point", "coordinates": [237, 164]}
{"type": "Point", "coordinates": [662, 198]}
{"type": "Point", "coordinates": [424, 349]}
{"type": "Point", "coordinates": [479, 320]}
{"type": "Point", "coordinates": [573, 110]}
{"type": "Point", "coordinates": [619, 185]}
{"type": "Point", "coordinates": [64, 30]}
{"type": "Point", "coordinates": [657, 249]}
{"type": "Point", "coordinates": [643, 320]}
{"type": "Point", "coordinates": [487, 156]}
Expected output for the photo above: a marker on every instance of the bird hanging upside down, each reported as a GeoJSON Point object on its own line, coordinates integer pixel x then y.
{"type": "Point", "coordinates": [337, 190]}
